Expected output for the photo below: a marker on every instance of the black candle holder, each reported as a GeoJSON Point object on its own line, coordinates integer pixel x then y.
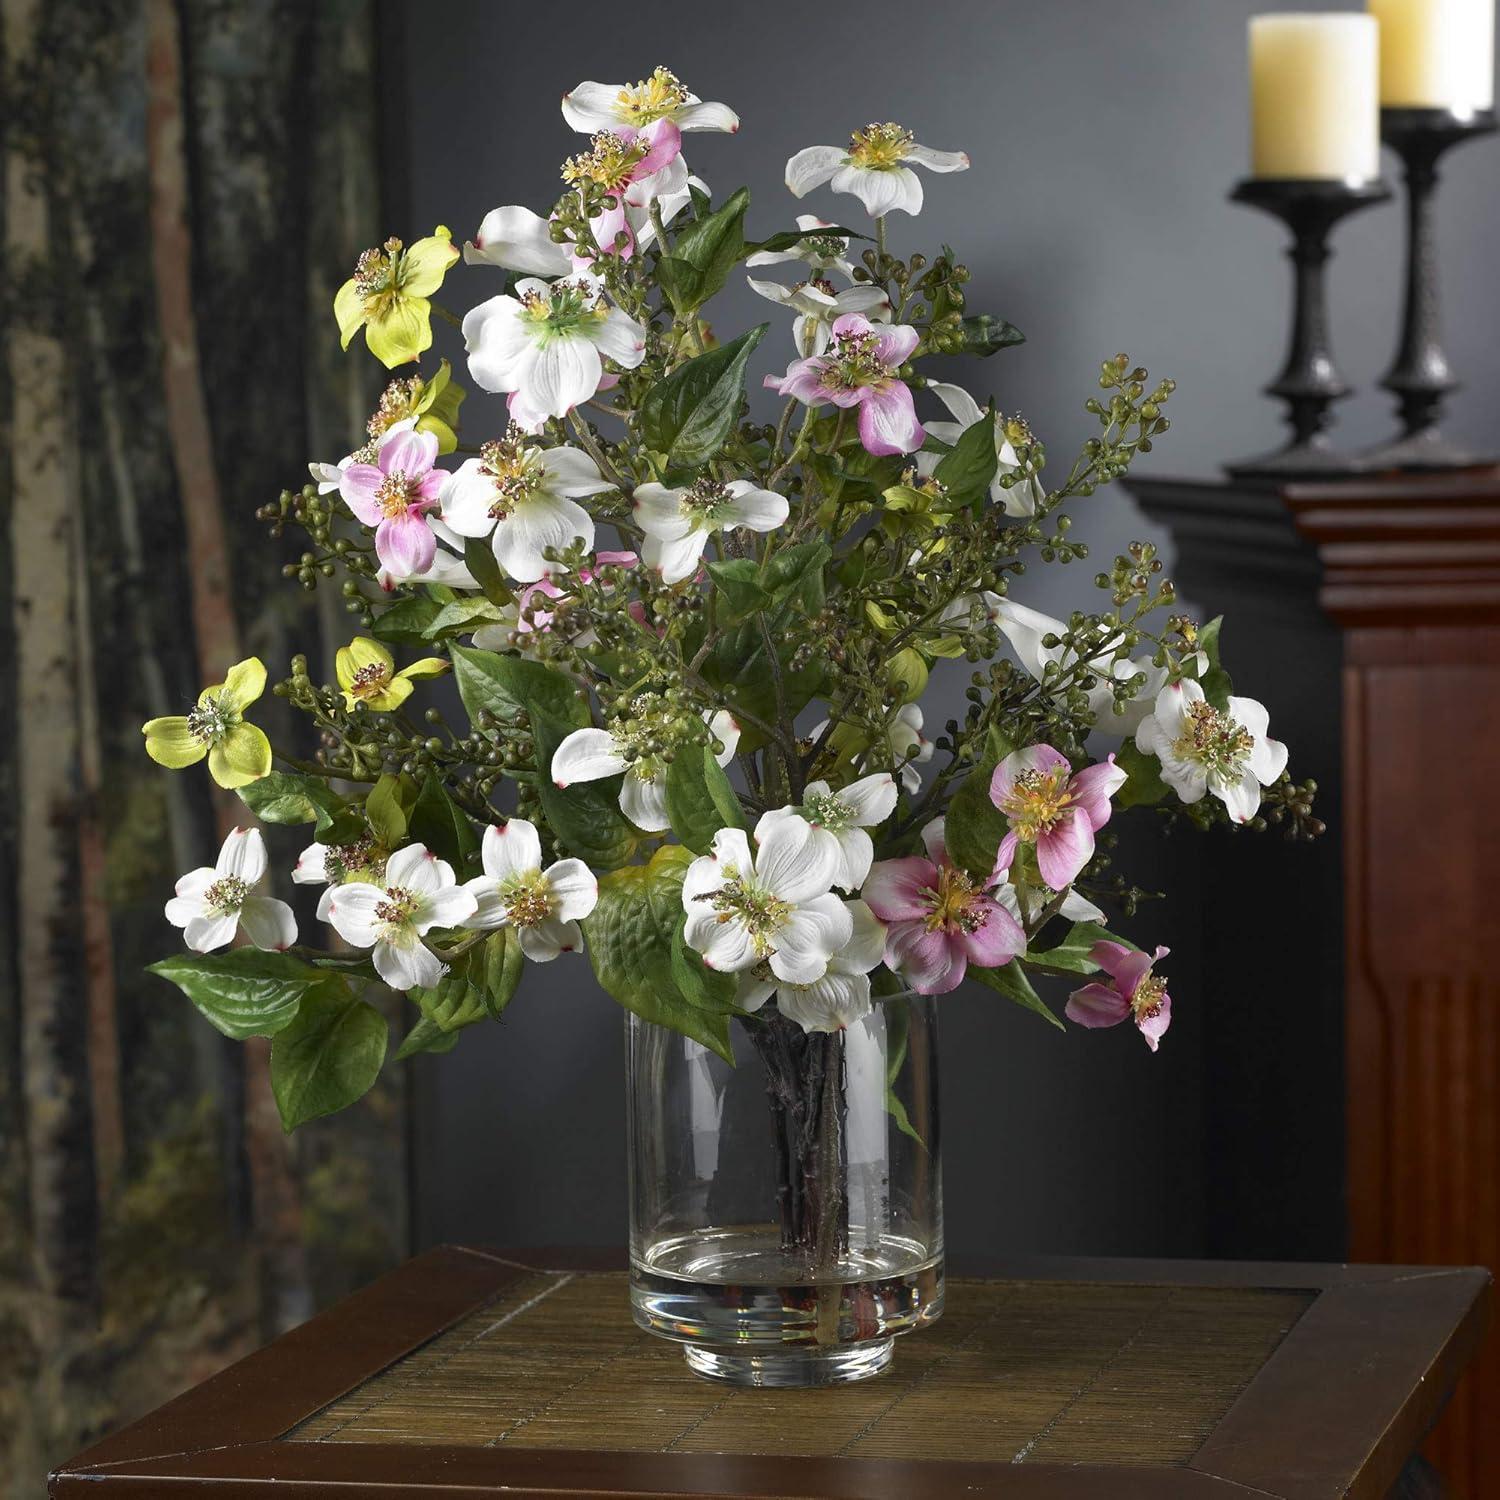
{"type": "Point", "coordinates": [1421, 377]}
{"type": "Point", "coordinates": [1309, 382]}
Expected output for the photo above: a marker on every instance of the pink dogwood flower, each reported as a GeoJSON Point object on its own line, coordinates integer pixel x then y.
{"type": "Point", "coordinates": [394, 495]}
{"type": "Point", "coordinates": [1133, 992]}
{"type": "Point", "coordinates": [938, 920]}
{"type": "Point", "coordinates": [1048, 805]}
{"type": "Point", "coordinates": [859, 369]}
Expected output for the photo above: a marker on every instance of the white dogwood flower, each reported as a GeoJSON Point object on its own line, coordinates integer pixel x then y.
{"type": "Point", "coordinates": [1225, 751]}
{"type": "Point", "coordinates": [330, 865]}
{"type": "Point", "coordinates": [635, 106]}
{"type": "Point", "coordinates": [818, 306]}
{"type": "Point", "coordinates": [522, 497]}
{"type": "Point", "coordinates": [773, 906]}
{"type": "Point", "coordinates": [1021, 498]}
{"type": "Point", "coordinates": [873, 167]}
{"type": "Point", "coordinates": [678, 523]}
{"type": "Point", "coordinates": [419, 893]}
{"type": "Point", "coordinates": [841, 818]}
{"type": "Point", "coordinates": [841, 996]}
{"type": "Point", "coordinates": [544, 906]}
{"type": "Point", "coordinates": [593, 754]}
{"type": "Point", "coordinates": [213, 903]}
{"type": "Point", "coordinates": [548, 342]}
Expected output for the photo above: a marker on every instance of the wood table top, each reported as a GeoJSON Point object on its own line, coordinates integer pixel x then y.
{"type": "Point", "coordinates": [469, 1373]}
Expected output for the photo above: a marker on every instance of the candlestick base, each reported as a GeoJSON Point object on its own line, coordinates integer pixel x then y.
{"type": "Point", "coordinates": [1421, 377]}
{"type": "Point", "coordinates": [1309, 382]}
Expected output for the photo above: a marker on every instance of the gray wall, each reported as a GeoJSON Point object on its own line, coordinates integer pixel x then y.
{"type": "Point", "coordinates": [1104, 139]}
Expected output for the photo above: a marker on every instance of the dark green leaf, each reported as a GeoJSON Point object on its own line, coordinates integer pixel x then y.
{"type": "Point", "coordinates": [700, 798]}
{"type": "Point", "coordinates": [789, 237]}
{"type": "Point", "coordinates": [327, 1058]}
{"type": "Point", "coordinates": [1011, 981]}
{"type": "Point", "coordinates": [706, 988]}
{"type": "Point", "coordinates": [462, 616]}
{"type": "Point", "coordinates": [426, 1036]}
{"type": "Point", "coordinates": [478, 985]}
{"type": "Point", "coordinates": [688, 415]}
{"type": "Point", "coordinates": [246, 992]}
{"type": "Point", "coordinates": [406, 622]}
{"type": "Point", "coordinates": [969, 468]}
{"type": "Point", "coordinates": [630, 936]}
{"type": "Point", "coordinates": [344, 825]}
{"type": "Point", "coordinates": [1072, 953]}
{"type": "Point", "coordinates": [702, 255]}
{"type": "Point", "coordinates": [288, 797]}
{"type": "Point", "coordinates": [1216, 683]}
{"type": "Point", "coordinates": [975, 825]}
{"type": "Point", "coordinates": [795, 575]}
{"type": "Point", "coordinates": [739, 587]}
{"type": "Point", "coordinates": [439, 823]}
{"type": "Point", "coordinates": [986, 335]}
{"type": "Point", "coordinates": [479, 559]}
{"type": "Point", "coordinates": [1143, 786]}
{"type": "Point", "coordinates": [507, 686]}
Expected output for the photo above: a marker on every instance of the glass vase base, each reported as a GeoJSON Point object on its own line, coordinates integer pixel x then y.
{"type": "Point", "coordinates": [791, 1368]}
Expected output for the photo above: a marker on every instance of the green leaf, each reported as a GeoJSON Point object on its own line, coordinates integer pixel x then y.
{"type": "Point", "coordinates": [968, 469]}
{"type": "Point", "coordinates": [739, 585]}
{"type": "Point", "coordinates": [975, 825]}
{"type": "Point", "coordinates": [246, 992]}
{"type": "Point", "coordinates": [384, 812]}
{"type": "Point", "coordinates": [795, 575]}
{"type": "Point", "coordinates": [706, 988]}
{"type": "Point", "coordinates": [288, 797]}
{"type": "Point", "coordinates": [1011, 981]}
{"type": "Point", "coordinates": [439, 823]}
{"type": "Point", "coordinates": [1143, 785]}
{"type": "Point", "coordinates": [985, 335]}
{"type": "Point", "coordinates": [426, 1036]}
{"type": "Point", "coordinates": [462, 616]}
{"type": "Point", "coordinates": [897, 1032]}
{"type": "Point", "coordinates": [1072, 953]}
{"type": "Point", "coordinates": [406, 622]}
{"type": "Point", "coordinates": [630, 936]}
{"type": "Point", "coordinates": [344, 825]}
{"type": "Point", "coordinates": [479, 559]}
{"type": "Point", "coordinates": [478, 985]}
{"type": "Point", "coordinates": [507, 686]}
{"type": "Point", "coordinates": [703, 254]}
{"type": "Point", "coordinates": [688, 415]}
{"type": "Point", "coordinates": [700, 798]}
{"type": "Point", "coordinates": [1217, 686]}
{"type": "Point", "coordinates": [327, 1058]}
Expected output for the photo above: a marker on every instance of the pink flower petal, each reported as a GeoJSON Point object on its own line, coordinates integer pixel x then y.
{"type": "Point", "coordinates": [1092, 788]}
{"type": "Point", "coordinates": [1065, 848]}
{"type": "Point", "coordinates": [358, 485]}
{"type": "Point", "coordinates": [409, 452]}
{"type": "Point", "coordinates": [930, 961]}
{"type": "Point", "coordinates": [1154, 1028]}
{"type": "Point", "coordinates": [405, 545]}
{"type": "Point", "coordinates": [895, 343]}
{"type": "Point", "coordinates": [896, 889]}
{"type": "Point", "coordinates": [888, 420]}
{"type": "Point", "coordinates": [1108, 956]}
{"type": "Point", "coordinates": [1096, 1005]}
{"type": "Point", "coordinates": [998, 940]}
{"type": "Point", "coordinates": [665, 142]}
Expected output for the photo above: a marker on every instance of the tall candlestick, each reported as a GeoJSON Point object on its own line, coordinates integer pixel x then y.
{"type": "Point", "coordinates": [1436, 54]}
{"type": "Point", "coordinates": [1314, 85]}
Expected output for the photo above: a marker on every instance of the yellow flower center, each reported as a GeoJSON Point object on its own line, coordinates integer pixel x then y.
{"type": "Point", "coordinates": [514, 467]}
{"type": "Point", "coordinates": [211, 719]}
{"type": "Point", "coordinates": [952, 903]}
{"type": "Point", "coordinates": [878, 147]}
{"type": "Point", "coordinates": [1214, 740]}
{"type": "Point", "coordinates": [654, 98]}
{"type": "Point", "coordinates": [370, 680]}
{"type": "Point", "coordinates": [854, 360]}
{"type": "Point", "coordinates": [377, 276]}
{"type": "Point", "coordinates": [607, 163]}
{"type": "Point", "coordinates": [227, 894]}
{"type": "Point", "coordinates": [399, 906]}
{"type": "Point", "coordinates": [741, 900]}
{"type": "Point", "coordinates": [395, 494]}
{"type": "Point", "coordinates": [1149, 994]}
{"type": "Point", "coordinates": [527, 899]}
{"type": "Point", "coordinates": [1037, 801]}
{"type": "Point", "coordinates": [704, 498]}
{"type": "Point", "coordinates": [565, 308]}
{"type": "Point", "coordinates": [397, 402]}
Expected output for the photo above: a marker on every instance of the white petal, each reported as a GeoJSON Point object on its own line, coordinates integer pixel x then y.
{"type": "Point", "coordinates": [1250, 714]}
{"type": "Point", "coordinates": [856, 854]}
{"type": "Point", "coordinates": [872, 799]}
{"type": "Point", "coordinates": [544, 940]}
{"type": "Point", "coordinates": [828, 1004]}
{"type": "Point", "coordinates": [586, 755]}
{"type": "Point", "coordinates": [965, 409]}
{"type": "Point", "coordinates": [268, 923]}
{"type": "Point", "coordinates": [772, 291]}
{"type": "Point", "coordinates": [1024, 629]}
{"type": "Point", "coordinates": [196, 882]}
{"type": "Point", "coordinates": [658, 512]}
{"type": "Point", "coordinates": [866, 945]}
{"type": "Point", "coordinates": [243, 855]}
{"type": "Point", "coordinates": [351, 910]}
{"type": "Point", "coordinates": [566, 371]}
{"type": "Point", "coordinates": [938, 161]}
{"type": "Point", "coordinates": [620, 338]}
{"type": "Point", "coordinates": [417, 869]}
{"type": "Point", "coordinates": [700, 116]}
{"type": "Point", "coordinates": [1241, 797]}
{"type": "Point", "coordinates": [205, 933]}
{"type": "Point", "coordinates": [757, 509]}
{"type": "Point", "coordinates": [544, 521]}
{"type": "Point", "coordinates": [674, 560]}
{"type": "Point", "coordinates": [726, 730]}
{"type": "Point", "coordinates": [489, 909]}
{"type": "Point", "coordinates": [792, 862]}
{"type": "Point", "coordinates": [497, 342]}
{"type": "Point", "coordinates": [725, 946]}
{"type": "Point", "coordinates": [753, 990]}
{"type": "Point", "coordinates": [515, 849]}
{"type": "Point", "coordinates": [518, 240]}
{"type": "Point", "coordinates": [809, 937]}
{"type": "Point", "coordinates": [645, 802]}
{"type": "Point", "coordinates": [1268, 760]}
{"type": "Point", "coordinates": [571, 472]}
{"type": "Point", "coordinates": [466, 500]}
{"type": "Point", "coordinates": [593, 106]}
{"type": "Point", "coordinates": [450, 907]}
{"type": "Point", "coordinates": [704, 876]}
{"type": "Point", "coordinates": [181, 910]}
{"type": "Point", "coordinates": [732, 851]}
{"type": "Point", "coordinates": [575, 889]}
{"type": "Point", "coordinates": [881, 191]}
{"type": "Point", "coordinates": [404, 963]}
{"type": "Point", "coordinates": [812, 167]}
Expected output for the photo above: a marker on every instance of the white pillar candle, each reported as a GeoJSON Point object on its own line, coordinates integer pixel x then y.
{"type": "Point", "coordinates": [1437, 54]}
{"type": "Point", "coordinates": [1314, 94]}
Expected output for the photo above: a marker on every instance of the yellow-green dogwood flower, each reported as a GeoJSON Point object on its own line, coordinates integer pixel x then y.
{"type": "Point", "coordinates": [367, 674]}
{"type": "Point", "coordinates": [238, 753]}
{"type": "Point", "coordinates": [387, 296]}
{"type": "Point", "coordinates": [433, 403]}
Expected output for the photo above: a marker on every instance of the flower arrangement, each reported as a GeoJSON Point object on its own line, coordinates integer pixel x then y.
{"type": "Point", "coordinates": [698, 754]}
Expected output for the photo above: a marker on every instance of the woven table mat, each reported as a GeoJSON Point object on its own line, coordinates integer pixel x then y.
{"type": "Point", "coordinates": [1015, 1371]}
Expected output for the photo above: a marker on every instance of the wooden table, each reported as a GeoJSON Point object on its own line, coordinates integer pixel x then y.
{"type": "Point", "coordinates": [468, 1373]}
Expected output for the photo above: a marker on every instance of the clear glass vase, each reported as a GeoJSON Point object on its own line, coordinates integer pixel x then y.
{"type": "Point", "coordinates": [786, 1215]}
